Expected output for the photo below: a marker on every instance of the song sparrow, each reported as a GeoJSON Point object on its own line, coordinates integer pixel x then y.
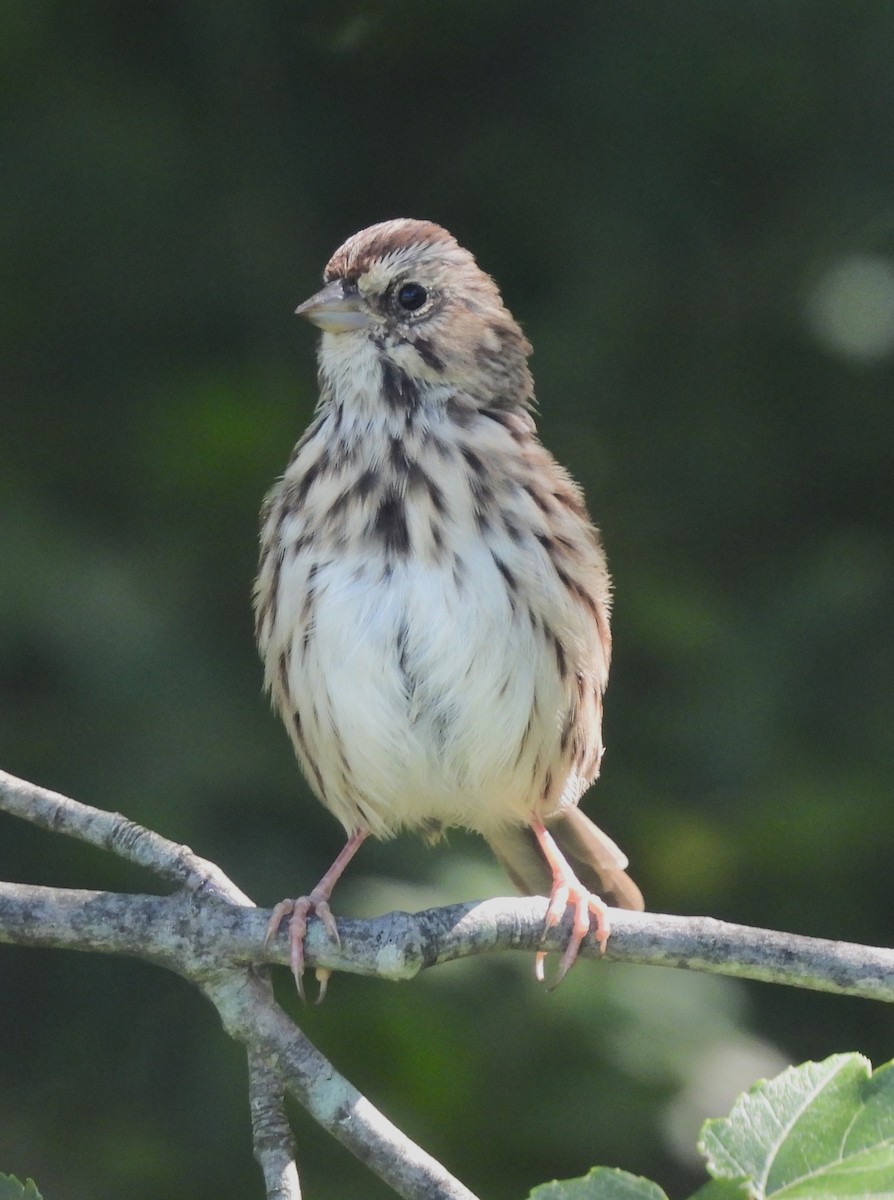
{"type": "Point", "coordinates": [432, 602]}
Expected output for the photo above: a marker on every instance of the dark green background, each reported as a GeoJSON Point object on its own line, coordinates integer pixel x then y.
{"type": "Point", "coordinates": [666, 193]}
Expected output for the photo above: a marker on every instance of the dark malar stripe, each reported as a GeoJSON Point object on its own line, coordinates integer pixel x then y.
{"type": "Point", "coordinates": [425, 351]}
{"type": "Point", "coordinates": [398, 389]}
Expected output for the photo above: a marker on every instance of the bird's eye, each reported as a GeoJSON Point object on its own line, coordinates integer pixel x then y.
{"type": "Point", "coordinates": [412, 296]}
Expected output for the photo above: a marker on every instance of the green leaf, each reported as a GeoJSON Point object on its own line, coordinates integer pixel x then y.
{"type": "Point", "coordinates": [11, 1189]}
{"type": "Point", "coordinates": [724, 1189]}
{"type": "Point", "coordinates": [602, 1183]}
{"type": "Point", "coordinates": [821, 1131]}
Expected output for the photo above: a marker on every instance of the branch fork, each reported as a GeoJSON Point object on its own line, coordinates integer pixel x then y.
{"type": "Point", "coordinates": [211, 933]}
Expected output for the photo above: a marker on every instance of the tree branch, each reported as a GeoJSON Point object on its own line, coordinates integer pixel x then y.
{"type": "Point", "coordinates": [197, 940]}
{"type": "Point", "coordinates": [209, 932]}
{"type": "Point", "coordinates": [158, 929]}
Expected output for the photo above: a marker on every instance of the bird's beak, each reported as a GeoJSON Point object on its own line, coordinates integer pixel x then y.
{"type": "Point", "coordinates": [336, 308]}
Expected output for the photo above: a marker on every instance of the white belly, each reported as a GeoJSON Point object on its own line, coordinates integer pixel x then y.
{"type": "Point", "coordinates": [426, 697]}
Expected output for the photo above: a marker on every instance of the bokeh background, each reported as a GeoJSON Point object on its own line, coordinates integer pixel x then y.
{"type": "Point", "coordinates": [690, 207]}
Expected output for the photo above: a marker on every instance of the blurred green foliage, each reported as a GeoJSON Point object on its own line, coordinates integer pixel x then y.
{"type": "Point", "coordinates": [689, 207]}
{"type": "Point", "coordinates": [12, 1189]}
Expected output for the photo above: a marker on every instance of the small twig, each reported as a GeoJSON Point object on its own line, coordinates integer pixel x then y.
{"type": "Point", "coordinates": [274, 1147]}
{"type": "Point", "coordinates": [172, 862]}
{"type": "Point", "coordinates": [334, 1102]}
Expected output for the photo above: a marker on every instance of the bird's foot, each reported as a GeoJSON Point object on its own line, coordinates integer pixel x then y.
{"type": "Point", "coordinates": [318, 903]}
{"type": "Point", "coordinates": [586, 906]}
{"type": "Point", "coordinates": [298, 911]}
{"type": "Point", "coordinates": [568, 890]}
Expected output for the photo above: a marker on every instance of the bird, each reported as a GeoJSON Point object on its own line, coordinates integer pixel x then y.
{"type": "Point", "coordinates": [432, 604]}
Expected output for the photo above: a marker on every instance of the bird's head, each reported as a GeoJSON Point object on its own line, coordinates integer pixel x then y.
{"type": "Point", "coordinates": [404, 300]}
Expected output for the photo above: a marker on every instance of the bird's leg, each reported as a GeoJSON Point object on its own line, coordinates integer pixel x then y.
{"type": "Point", "coordinates": [317, 902]}
{"type": "Point", "coordinates": [568, 889]}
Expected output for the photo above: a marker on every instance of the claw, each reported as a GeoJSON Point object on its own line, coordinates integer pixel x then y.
{"type": "Point", "coordinates": [539, 969]}
{"type": "Point", "coordinates": [285, 908]}
{"type": "Point", "coordinates": [324, 912]}
{"type": "Point", "coordinates": [323, 975]}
